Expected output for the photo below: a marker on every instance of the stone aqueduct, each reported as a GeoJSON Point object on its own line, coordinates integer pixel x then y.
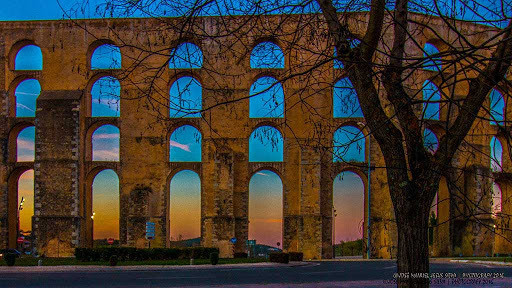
{"type": "Point", "coordinates": [64, 169]}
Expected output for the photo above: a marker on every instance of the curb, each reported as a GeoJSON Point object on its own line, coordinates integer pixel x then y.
{"type": "Point", "coordinates": [497, 263]}
{"type": "Point", "coordinates": [98, 268]}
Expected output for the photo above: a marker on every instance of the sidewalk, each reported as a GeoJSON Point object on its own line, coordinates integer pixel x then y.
{"type": "Point", "coordinates": [98, 268]}
{"type": "Point", "coordinates": [467, 261]}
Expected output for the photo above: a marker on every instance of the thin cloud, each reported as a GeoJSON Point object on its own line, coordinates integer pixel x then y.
{"type": "Point", "coordinates": [106, 155]}
{"type": "Point", "coordinates": [27, 93]}
{"type": "Point", "coordinates": [24, 107]}
{"type": "Point", "coordinates": [183, 147]}
{"type": "Point", "coordinates": [25, 158]}
{"type": "Point", "coordinates": [262, 174]}
{"type": "Point", "coordinates": [106, 136]}
{"type": "Point", "coordinates": [25, 144]}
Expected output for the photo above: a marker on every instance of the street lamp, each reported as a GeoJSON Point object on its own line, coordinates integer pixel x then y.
{"type": "Point", "coordinates": [20, 207]}
{"type": "Point", "coordinates": [334, 231]}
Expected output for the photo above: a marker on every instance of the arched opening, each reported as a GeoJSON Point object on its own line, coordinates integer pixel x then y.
{"type": "Point", "coordinates": [20, 200]}
{"type": "Point", "coordinates": [267, 99]}
{"type": "Point", "coordinates": [337, 63]}
{"type": "Point", "coordinates": [496, 155]}
{"type": "Point", "coordinates": [265, 212]}
{"type": "Point", "coordinates": [432, 60]}
{"type": "Point", "coordinates": [106, 56]}
{"type": "Point", "coordinates": [26, 94]}
{"type": "Point", "coordinates": [497, 107]}
{"type": "Point", "coordinates": [348, 145]}
{"type": "Point", "coordinates": [348, 214]}
{"type": "Point", "coordinates": [185, 145]}
{"type": "Point", "coordinates": [105, 97]}
{"type": "Point", "coordinates": [345, 101]}
{"type": "Point", "coordinates": [430, 141]}
{"type": "Point", "coordinates": [25, 207]}
{"type": "Point", "coordinates": [266, 145]}
{"type": "Point", "coordinates": [433, 218]}
{"type": "Point", "coordinates": [25, 145]}
{"type": "Point", "coordinates": [105, 207]}
{"type": "Point", "coordinates": [186, 56]}
{"type": "Point", "coordinates": [105, 143]}
{"type": "Point", "coordinates": [185, 209]}
{"type": "Point", "coordinates": [431, 100]}
{"type": "Point", "coordinates": [29, 57]}
{"type": "Point", "coordinates": [496, 199]}
{"type": "Point", "coordinates": [267, 55]}
{"type": "Point", "coordinates": [185, 98]}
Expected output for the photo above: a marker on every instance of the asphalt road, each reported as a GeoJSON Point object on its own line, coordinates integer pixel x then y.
{"type": "Point", "coordinates": [314, 274]}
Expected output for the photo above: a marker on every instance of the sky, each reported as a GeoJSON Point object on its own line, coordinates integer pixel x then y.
{"type": "Point", "coordinates": [266, 144]}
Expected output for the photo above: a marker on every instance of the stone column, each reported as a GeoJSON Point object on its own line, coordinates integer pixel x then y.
{"type": "Point", "coordinates": [56, 220]}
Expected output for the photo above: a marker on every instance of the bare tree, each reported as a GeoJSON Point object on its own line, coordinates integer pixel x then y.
{"type": "Point", "coordinates": [384, 67]}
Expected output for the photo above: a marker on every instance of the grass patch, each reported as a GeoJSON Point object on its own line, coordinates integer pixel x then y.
{"type": "Point", "coordinates": [31, 261]}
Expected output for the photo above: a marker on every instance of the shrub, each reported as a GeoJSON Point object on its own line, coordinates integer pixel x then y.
{"type": "Point", "coordinates": [296, 256]}
{"type": "Point", "coordinates": [214, 258]}
{"type": "Point", "coordinates": [134, 254]}
{"type": "Point", "coordinates": [10, 258]}
{"type": "Point", "coordinates": [113, 260]}
{"type": "Point", "coordinates": [279, 257]}
{"type": "Point", "coordinates": [240, 255]}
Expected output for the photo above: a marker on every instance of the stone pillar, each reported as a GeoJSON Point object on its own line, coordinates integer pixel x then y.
{"type": "Point", "coordinates": [477, 237]}
{"type": "Point", "coordinates": [311, 229]}
{"type": "Point", "coordinates": [224, 220]}
{"type": "Point", "coordinates": [442, 244]}
{"type": "Point", "coordinates": [241, 199]}
{"type": "Point", "coordinates": [56, 220]}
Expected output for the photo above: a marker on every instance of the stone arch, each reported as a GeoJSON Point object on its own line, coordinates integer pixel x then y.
{"type": "Point", "coordinates": [193, 144]}
{"type": "Point", "coordinates": [259, 58]}
{"type": "Point", "coordinates": [358, 179]}
{"type": "Point", "coordinates": [13, 202]}
{"type": "Point", "coordinates": [272, 92]}
{"type": "Point", "coordinates": [26, 94]}
{"type": "Point", "coordinates": [92, 48]}
{"type": "Point", "coordinates": [112, 60]}
{"type": "Point", "coordinates": [276, 145]}
{"type": "Point", "coordinates": [89, 197]}
{"type": "Point", "coordinates": [186, 55]}
{"type": "Point", "coordinates": [348, 144]}
{"type": "Point", "coordinates": [198, 215]}
{"type": "Point", "coordinates": [496, 107]}
{"type": "Point", "coordinates": [25, 144]}
{"type": "Point", "coordinates": [104, 96]}
{"type": "Point", "coordinates": [496, 154]}
{"type": "Point", "coordinates": [273, 219]}
{"type": "Point", "coordinates": [12, 91]}
{"type": "Point", "coordinates": [430, 140]}
{"type": "Point", "coordinates": [185, 97]}
{"type": "Point", "coordinates": [431, 62]}
{"type": "Point", "coordinates": [345, 101]}
{"type": "Point", "coordinates": [106, 131]}
{"type": "Point", "coordinates": [13, 137]}
{"type": "Point", "coordinates": [497, 199]}
{"type": "Point", "coordinates": [431, 97]}
{"type": "Point", "coordinates": [16, 48]}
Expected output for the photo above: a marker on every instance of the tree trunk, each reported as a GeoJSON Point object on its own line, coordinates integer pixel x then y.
{"type": "Point", "coordinates": [413, 251]}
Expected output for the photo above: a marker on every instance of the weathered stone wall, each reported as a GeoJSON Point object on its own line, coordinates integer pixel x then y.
{"type": "Point", "coordinates": [64, 169]}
